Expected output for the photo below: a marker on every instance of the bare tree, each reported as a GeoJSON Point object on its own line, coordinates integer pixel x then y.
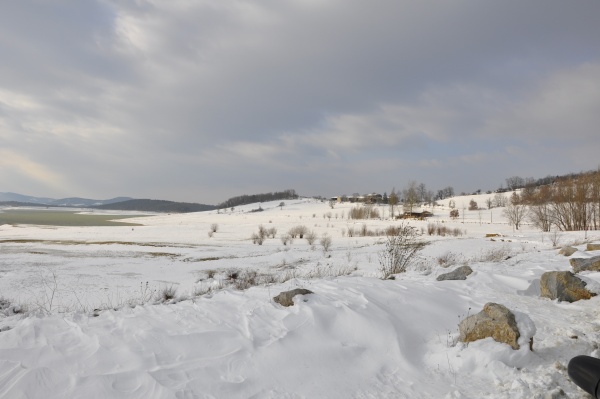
{"type": "Point", "coordinates": [540, 208]}
{"type": "Point", "coordinates": [514, 182]}
{"type": "Point", "coordinates": [499, 200]}
{"type": "Point", "coordinates": [516, 211]}
{"type": "Point", "coordinates": [393, 201]}
{"type": "Point", "coordinates": [411, 196]}
{"type": "Point", "coordinates": [489, 203]}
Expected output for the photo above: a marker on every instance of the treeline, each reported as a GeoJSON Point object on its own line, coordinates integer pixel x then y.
{"type": "Point", "coordinates": [251, 199]}
{"type": "Point", "coordinates": [570, 203]}
{"type": "Point", "coordinates": [148, 205]}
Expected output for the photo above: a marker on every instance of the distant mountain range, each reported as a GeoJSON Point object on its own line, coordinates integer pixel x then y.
{"type": "Point", "coordinates": [119, 203]}
{"type": "Point", "coordinates": [74, 201]}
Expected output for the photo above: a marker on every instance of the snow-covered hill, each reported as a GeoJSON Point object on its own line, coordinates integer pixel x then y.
{"type": "Point", "coordinates": [356, 336]}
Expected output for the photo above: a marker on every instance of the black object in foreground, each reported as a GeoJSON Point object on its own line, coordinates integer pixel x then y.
{"type": "Point", "coordinates": [585, 372]}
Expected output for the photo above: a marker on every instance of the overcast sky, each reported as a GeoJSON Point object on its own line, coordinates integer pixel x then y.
{"type": "Point", "coordinates": [202, 100]}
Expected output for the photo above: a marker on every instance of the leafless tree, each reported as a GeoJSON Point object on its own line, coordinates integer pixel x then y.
{"type": "Point", "coordinates": [515, 211]}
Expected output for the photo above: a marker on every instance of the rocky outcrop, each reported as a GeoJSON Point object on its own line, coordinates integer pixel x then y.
{"type": "Point", "coordinates": [567, 251]}
{"type": "Point", "coordinates": [564, 286]}
{"type": "Point", "coordinates": [585, 264]}
{"type": "Point", "coordinates": [593, 247]}
{"type": "Point", "coordinates": [494, 321]}
{"type": "Point", "coordinates": [286, 298]}
{"type": "Point", "coordinates": [459, 273]}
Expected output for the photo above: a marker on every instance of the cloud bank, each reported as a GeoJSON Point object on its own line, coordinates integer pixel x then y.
{"type": "Point", "coordinates": [199, 101]}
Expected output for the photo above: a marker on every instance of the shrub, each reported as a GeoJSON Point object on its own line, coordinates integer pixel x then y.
{"type": "Point", "coordinates": [400, 251]}
{"type": "Point", "coordinates": [214, 227]}
{"type": "Point", "coordinates": [454, 213]}
{"type": "Point", "coordinates": [298, 231]}
{"type": "Point", "coordinates": [495, 255]}
{"type": "Point", "coordinates": [285, 239]}
{"type": "Point", "coordinates": [210, 273]}
{"type": "Point", "coordinates": [325, 242]}
{"type": "Point", "coordinates": [259, 238]}
{"type": "Point", "coordinates": [311, 237]}
{"type": "Point", "coordinates": [448, 259]}
{"type": "Point", "coordinates": [167, 293]}
{"type": "Point", "coordinates": [246, 279]}
{"type": "Point", "coordinates": [363, 212]}
{"type": "Point", "coordinates": [232, 274]}
{"type": "Point", "coordinates": [473, 205]}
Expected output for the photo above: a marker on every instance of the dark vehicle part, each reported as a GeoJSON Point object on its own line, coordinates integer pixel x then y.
{"type": "Point", "coordinates": [585, 372]}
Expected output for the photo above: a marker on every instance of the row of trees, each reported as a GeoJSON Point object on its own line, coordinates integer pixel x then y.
{"type": "Point", "coordinates": [569, 204]}
{"type": "Point", "coordinates": [250, 199]}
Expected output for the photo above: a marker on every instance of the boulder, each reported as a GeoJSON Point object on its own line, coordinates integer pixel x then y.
{"type": "Point", "coordinates": [459, 273]}
{"type": "Point", "coordinates": [567, 251]}
{"type": "Point", "coordinates": [494, 321]}
{"type": "Point", "coordinates": [286, 298]}
{"type": "Point", "coordinates": [585, 264]}
{"type": "Point", "coordinates": [564, 286]}
{"type": "Point", "coordinates": [593, 247]}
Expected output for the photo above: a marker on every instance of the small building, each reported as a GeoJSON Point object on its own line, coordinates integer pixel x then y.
{"type": "Point", "coordinates": [419, 215]}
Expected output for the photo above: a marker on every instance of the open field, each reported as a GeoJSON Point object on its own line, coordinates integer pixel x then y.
{"type": "Point", "coordinates": [61, 217]}
{"type": "Point", "coordinates": [90, 329]}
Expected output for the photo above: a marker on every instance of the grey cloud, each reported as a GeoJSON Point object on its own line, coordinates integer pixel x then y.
{"type": "Point", "coordinates": [141, 96]}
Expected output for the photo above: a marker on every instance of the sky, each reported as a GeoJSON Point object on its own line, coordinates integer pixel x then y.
{"type": "Point", "coordinates": [201, 100]}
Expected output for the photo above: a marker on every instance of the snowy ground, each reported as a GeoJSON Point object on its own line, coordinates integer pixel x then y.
{"type": "Point", "coordinates": [356, 336]}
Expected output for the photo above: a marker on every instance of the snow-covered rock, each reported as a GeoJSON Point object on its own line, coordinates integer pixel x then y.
{"type": "Point", "coordinates": [564, 286]}
{"type": "Point", "coordinates": [495, 321]}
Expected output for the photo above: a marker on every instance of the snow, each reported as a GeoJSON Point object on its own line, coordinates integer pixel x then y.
{"type": "Point", "coordinates": [357, 336]}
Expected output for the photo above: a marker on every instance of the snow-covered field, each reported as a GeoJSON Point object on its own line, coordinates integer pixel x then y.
{"type": "Point", "coordinates": [357, 336]}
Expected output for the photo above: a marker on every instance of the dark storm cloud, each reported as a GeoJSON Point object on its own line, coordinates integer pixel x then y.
{"type": "Point", "coordinates": [202, 100]}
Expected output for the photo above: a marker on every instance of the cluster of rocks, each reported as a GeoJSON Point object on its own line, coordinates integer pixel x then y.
{"type": "Point", "coordinates": [565, 285]}
{"type": "Point", "coordinates": [498, 322]}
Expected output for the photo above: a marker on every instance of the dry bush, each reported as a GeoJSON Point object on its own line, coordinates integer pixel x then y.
{"type": "Point", "coordinates": [456, 232]}
{"type": "Point", "coordinates": [449, 259]}
{"type": "Point", "coordinates": [363, 212]}
{"type": "Point", "coordinates": [311, 237]}
{"type": "Point", "coordinates": [166, 293]}
{"type": "Point", "coordinates": [7, 308]}
{"type": "Point", "coordinates": [271, 232]}
{"type": "Point", "coordinates": [320, 271]}
{"type": "Point", "coordinates": [232, 274]}
{"type": "Point", "coordinates": [246, 279]}
{"type": "Point", "coordinates": [285, 239]}
{"type": "Point", "coordinates": [298, 231]}
{"type": "Point", "coordinates": [210, 273]}
{"type": "Point", "coordinates": [257, 239]}
{"type": "Point", "coordinates": [214, 227]}
{"type": "Point", "coordinates": [495, 255]}
{"type": "Point", "coordinates": [325, 242]}
{"type": "Point", "coordinates": [263, 233]}
{"type": "Point", "coordinates": [400, 251]}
